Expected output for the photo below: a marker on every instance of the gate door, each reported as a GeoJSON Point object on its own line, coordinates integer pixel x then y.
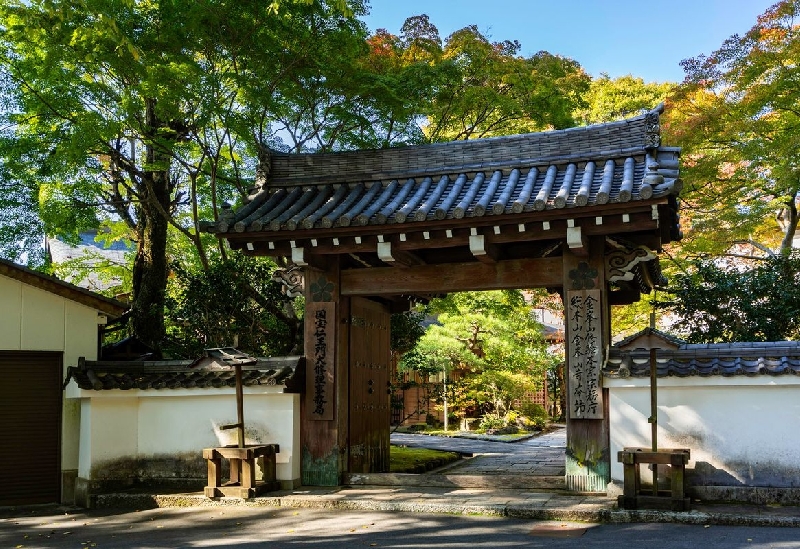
{"type": "Point", "coordinates": [30, 420]}
{"type": "Point", "coordinates": [370, 389]}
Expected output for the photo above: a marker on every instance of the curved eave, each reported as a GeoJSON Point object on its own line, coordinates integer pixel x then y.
{"type": "Point", "coordinates": [445, 199]}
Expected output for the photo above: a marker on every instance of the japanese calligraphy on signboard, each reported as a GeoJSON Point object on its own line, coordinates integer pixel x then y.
{"type": "Point", "coordinates": [320, 363]}
{"type": "Point", "coordinates": [585, 397]}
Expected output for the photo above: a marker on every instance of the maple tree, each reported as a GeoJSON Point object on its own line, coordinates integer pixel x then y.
{"type": "Point", "coordinates": [736, 116]}
{"type": "Point", "coordinates": [609, 99]}
{"type": "Point", "coordinates": [491, 90]}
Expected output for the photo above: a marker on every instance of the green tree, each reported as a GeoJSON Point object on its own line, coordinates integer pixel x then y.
{"type": "Point", "coordinates": [494, 343]}
{"type": "Point", "coordinates": [233, 302]}
{"type": "Point", "coordinates": [758, 300]}
{"type": "Point", "coordinates": [609, 99]}
{"type": "Point", "coordinates": [150, 114]}
{"type": "Point", "coordinates": [486, 88]}
{"type": "Point", "coordinates": [736, 117]}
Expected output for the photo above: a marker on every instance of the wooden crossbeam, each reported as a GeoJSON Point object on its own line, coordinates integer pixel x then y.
{"type": "Point", "coordinates": [424, 279]}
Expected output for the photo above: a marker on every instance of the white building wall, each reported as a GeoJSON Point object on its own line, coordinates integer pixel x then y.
{"type": "Point", "coordinates": [11, 319]}
{"type": "Point", "coordinates": [108, 429]}
{"type": "Point", "coordinates": [150, 426]}
{"type": "Point", "coordinates": [33, 319]}
{"type": "Point", "coordinates": [741, 430]}
{"type": "Point", "coordinates": [43, 320]}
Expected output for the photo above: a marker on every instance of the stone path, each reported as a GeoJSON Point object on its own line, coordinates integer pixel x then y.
{"type": "Point", "coordinates": [538, 456]}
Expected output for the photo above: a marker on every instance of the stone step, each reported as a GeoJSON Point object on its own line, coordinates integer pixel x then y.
{"type": "Point", "coordinates": [516, 482]}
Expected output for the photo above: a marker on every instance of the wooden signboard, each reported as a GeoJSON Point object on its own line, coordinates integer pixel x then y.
{"type": "Point", "coordinates": [585, 354]}
{"type": "Point", "coordinates": [320, 332]}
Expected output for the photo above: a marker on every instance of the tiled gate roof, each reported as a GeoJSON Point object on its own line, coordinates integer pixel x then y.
{"type": "Point", "coordinates": [618, 162]}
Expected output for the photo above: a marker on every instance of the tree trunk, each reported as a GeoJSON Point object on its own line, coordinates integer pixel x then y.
{"type": "Point", "coordinates": [150, 266]}
{"type": "Point", "coordinates": [791, 227]}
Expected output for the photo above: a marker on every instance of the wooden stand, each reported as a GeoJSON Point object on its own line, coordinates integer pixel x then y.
{"type": "Point", "coordinates": [634, 498]}
{"type": "Point", "coordinates": [242, 483]}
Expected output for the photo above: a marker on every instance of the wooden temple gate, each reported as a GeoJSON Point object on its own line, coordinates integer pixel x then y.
{"type": "Point", "coordinates": [582, 212]}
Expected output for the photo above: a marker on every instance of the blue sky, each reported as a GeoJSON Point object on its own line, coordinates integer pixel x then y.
{"type": "Point", "coordinates": [619, 37]}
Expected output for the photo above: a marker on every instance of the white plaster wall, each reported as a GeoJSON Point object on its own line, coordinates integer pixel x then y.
{"type": "Point", "coordinates": [109, 429]}
{"type": "Point", "coordinates": [183, 421]}
{"type": "Point", "coordinates": [743, 429]}
{"type": "Point", "coordinates": [80, 340]}
{"type": "Point", "coordinates": [43, 317]}
{"type": "Point", "coordinates": [11, 319]}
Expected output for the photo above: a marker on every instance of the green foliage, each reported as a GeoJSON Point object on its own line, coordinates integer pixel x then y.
{"type": "Point", "coordinates": [487, 346]}
{"type": "Point", "coordinates": [628, 319]}
{"type": "Point", "coordinates": [487, 89]}
{"type": "Point", "coordinates": [153, 113]}
{"type": "Point", "coordinates": [406, 330]}
{"type": "Point", "coordinates": [530, 417]}
{"type": "Point", "coordinates": [234, 302]}
{"type": "Point", "coordinates": [756, 302]}
{"type": "Point", "coordinates": [491, 421]}
{"type": "Point", "coordinates": [436, 352]}
{"type": "Point", "coordinates": [533, 411]}
{"type": "Point", "coordinates": [736, 117]}
{"type": "Point", "coordinates": [610, 99]}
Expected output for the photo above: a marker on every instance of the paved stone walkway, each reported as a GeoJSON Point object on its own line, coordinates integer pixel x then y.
{"type": "Point", "coordinates": [542, 455]}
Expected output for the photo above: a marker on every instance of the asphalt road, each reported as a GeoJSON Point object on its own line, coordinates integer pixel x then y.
{"type": "Point", "coordinates": [280, 528]}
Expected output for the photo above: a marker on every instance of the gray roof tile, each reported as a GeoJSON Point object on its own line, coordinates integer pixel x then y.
{"type": "Point", "coordinates": [714, 359]}
{"type": "Point", "coordinates": [573, 168]}
{"type": "Point", "coordinates": [180, 374]}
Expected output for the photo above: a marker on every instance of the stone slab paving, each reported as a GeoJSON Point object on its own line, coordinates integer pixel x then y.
{"type": "Point", "coordinates": [542, 455]}
{"type": "Point", "coordinates": [472, 501]}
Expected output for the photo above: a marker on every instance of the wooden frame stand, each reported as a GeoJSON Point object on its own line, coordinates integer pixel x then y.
{"type": "Point", "coordinates": [635, 498]}
{"type": "Point", "coordinates": [242, 482]}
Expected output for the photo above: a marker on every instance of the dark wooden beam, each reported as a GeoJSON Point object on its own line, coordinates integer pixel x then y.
{"type": "Point", "coordinates": [388, 253]}
{"type": "Point", "coordinates": [624, 296]}
{"type": "Point", "coordinates": [518, 273]}
{"type": "Point", "coordinates": [483, 250]}
{"type": "Point", "coordinates": [413, 237]}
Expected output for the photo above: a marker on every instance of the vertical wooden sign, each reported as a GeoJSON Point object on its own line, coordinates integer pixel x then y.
{"type": "Point", "coordinates": [585, 354]}
{"type": "Point", "coordinates": [320, 333]}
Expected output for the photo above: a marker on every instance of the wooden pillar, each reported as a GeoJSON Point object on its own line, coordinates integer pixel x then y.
{"type": "Point", "coordinates": [324, 404]}
{"type": "Point", "coordinates": [587, 319]}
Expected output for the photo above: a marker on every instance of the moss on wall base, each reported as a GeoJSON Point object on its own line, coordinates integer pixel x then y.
{"type": "Point", "coordinates": [322, 471]}
{"type": "Point", "coordinates": [587, 477]}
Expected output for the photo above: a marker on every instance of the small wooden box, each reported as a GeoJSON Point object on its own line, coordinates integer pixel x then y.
{"type": "Point", "coordinates": [242, 482]}
{"type": "Point", "coordinates": [635, 498]}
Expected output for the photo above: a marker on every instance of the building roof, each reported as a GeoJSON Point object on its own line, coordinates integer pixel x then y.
{"type": "Point", "coordinates": [89, 252]}
{"type": "Point", "coordinates": [646, 337]}
{"type": "Point", "coordinates": [614, 163]}
{"type": "Point", "coordinates": [715, 359]}
{"type": "Point", "coordinates": [182, 374]}
{"type": "Point", "coordinates": [69, 291]}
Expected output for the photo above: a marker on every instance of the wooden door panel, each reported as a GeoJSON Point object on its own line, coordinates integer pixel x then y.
{"type": "Point", "coordinates": [369, 387]}
{"type": "Point", "coordinates": [30, 420]}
